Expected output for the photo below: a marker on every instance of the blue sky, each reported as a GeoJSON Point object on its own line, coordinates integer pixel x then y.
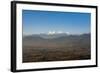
{"type": "Point", "coordinates": [35, 22]}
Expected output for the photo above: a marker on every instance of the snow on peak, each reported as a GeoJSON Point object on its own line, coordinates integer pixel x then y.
{"type": "Point", "coordinates": [51, 32]}
{"type": "Point", "coordinates": [67, 32]}
{"type": "Point", "coordinates": [54, 32]}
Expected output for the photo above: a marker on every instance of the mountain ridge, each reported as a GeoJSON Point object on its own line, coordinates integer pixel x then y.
{"type": "Point", "coordinates": [54, 36]}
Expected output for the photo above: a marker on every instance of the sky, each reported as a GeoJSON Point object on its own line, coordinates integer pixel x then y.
{"type": "Point", "coordinates": [36, 22]}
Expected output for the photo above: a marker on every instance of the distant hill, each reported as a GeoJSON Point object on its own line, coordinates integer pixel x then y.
{"type": "Point", "coordinates": [57, 40]}
{"type": "Point", "coordinates": [48, 36]}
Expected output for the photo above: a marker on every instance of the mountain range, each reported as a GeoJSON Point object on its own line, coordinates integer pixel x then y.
{"type": "Point", "coordinates": [57, 40]}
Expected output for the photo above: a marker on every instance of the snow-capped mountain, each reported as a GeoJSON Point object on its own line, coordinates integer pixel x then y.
{"type": "Point", "coordinates": [54, 35]}
{"type": "Point", "coordinates": [50, 35]}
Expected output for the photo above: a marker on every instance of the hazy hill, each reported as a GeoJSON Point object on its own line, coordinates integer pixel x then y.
{"type": "Point", "coordinates": [56, 47]}
{"type": "Point", "coordinates": [57, 40]}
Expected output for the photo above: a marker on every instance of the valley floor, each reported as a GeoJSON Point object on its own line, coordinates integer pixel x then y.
{"type": "Point", "coordinates": [33, 54]}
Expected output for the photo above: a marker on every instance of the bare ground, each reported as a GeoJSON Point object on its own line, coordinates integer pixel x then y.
{"type": "Point", "coordinates": [37, 54]}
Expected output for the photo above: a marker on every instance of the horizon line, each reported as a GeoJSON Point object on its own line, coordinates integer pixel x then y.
{"type": "Point", "coordinates": [56, 33]}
